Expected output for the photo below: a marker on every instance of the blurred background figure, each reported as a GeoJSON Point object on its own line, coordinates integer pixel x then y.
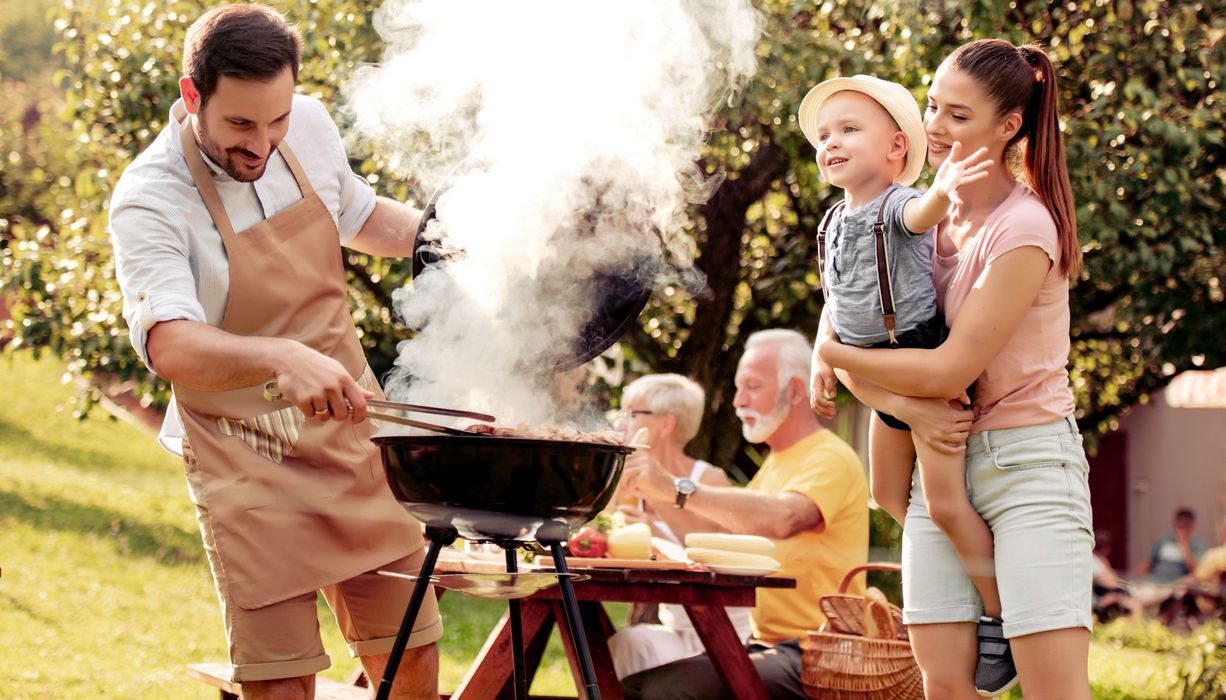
{"type": "Point", "coordinates": [1174, 554]}
{"type": "Point", "coordinates": [1172, 559]}
{"type": "Point", "coordinates": [1111, 597]}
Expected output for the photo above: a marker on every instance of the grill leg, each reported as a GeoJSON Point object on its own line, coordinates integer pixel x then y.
{"type": "Point", "coordinates": [575, 622]}
{"type": "Point", "coordinates": [439, 538]}
{"type": "Point", "coordinates": [518, 668]}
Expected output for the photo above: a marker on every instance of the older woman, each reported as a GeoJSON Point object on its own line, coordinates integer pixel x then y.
{"type": "Point", "coordinates": [669, 408]}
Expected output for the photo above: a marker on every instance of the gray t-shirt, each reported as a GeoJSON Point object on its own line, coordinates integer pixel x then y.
{"type": "Point", "coordinates": [851, 271]}
{"type": "Point", "coordinates": [1167, 560]}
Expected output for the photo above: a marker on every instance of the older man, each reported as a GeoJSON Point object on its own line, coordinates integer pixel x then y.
{"type": "Point", "coordinates": [810, 496]}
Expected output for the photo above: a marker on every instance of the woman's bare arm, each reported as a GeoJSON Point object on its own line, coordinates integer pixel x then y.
{"type": "Point", "coordinates": [943, 424]}
{"type": "Point", "coordinates": [989, 317]}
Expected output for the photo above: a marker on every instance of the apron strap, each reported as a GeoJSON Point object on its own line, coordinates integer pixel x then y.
{"type": "Point", "coordinates": [304, 183]}
{"type": "Point", "coordinates": [204, 182]}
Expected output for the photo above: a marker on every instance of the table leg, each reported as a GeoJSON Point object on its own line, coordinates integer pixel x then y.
{"type": "Point", "coordinates": [490, 675]}
{"type": "Point", "coordinates": [590, 612]}
{"type": "Point", "coordinates": [727, 652]}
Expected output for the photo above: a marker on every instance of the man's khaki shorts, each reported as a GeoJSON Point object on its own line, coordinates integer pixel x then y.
{"type": "Point", "coordinates": [282, 640]}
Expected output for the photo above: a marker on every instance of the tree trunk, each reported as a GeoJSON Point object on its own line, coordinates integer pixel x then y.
{"type": "Point", "coordinates": [703, 357]}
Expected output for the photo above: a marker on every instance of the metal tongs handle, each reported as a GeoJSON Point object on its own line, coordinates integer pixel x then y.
{"type": "Point", "coordinates": [437, 410]}
{"type": "Point", "coordinates": [390, 418]}
{"type": "Point", "coordinates": [272, 392]}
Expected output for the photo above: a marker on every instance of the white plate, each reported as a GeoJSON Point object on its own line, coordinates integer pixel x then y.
{"type": "Point", "coordinates": [741, 570]}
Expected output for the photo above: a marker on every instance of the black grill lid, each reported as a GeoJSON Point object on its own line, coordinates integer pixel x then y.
{"type": "Point", "coordinates": [621, 296]}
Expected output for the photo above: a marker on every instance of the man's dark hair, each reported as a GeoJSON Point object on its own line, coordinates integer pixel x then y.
{"type": "Point", "coordinates": [1186, 513]}
{"type": "Point", "coordinates": [249, 42]}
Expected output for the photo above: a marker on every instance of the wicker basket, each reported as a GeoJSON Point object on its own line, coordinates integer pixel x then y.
{"type": "Point", "coordinates": [839, 663]}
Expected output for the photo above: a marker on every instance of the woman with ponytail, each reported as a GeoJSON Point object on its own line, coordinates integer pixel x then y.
{"type": "Point", "coordinates": [1004, 260]}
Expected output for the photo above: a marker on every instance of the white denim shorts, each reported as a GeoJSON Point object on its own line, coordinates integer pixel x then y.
{"type": "Point", "coordinates": [1031, 485]}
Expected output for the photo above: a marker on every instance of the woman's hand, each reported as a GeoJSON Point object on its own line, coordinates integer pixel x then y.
{"type": "Point", "coordinates": [944, 425]}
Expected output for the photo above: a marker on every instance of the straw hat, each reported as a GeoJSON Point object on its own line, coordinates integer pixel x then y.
{"type": "Point", "coordinates": [896, 99]}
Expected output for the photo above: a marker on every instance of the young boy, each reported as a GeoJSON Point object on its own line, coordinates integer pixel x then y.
{"type": "Point", "coordinates": [876, 271]}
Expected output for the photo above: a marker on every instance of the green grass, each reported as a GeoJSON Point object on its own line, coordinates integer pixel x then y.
{"type": "Point", "coordinates": [105, 592]}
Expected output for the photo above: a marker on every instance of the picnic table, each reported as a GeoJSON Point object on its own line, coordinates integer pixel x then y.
{"type": "Point", "coordinates": [704, 595]}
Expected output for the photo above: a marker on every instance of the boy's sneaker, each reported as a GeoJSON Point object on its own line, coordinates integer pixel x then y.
{"type": "Point", "coordinates": [995, 672]}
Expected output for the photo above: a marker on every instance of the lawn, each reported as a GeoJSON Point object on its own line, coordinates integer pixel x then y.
{"type": "Point", "coordinates": [105, 592]}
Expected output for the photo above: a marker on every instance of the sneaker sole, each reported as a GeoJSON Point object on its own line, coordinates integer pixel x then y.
{"type": "Point", "coordinates": [991, 694]}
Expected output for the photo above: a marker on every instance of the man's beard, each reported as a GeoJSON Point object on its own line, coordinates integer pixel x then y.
{"type": "Point", "coordinates": [226, 159]}
{"type": "Point", "coordinates": [764, 426]}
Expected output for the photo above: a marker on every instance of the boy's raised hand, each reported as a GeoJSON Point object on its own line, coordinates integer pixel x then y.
{"type": "Point", "coordinates": [957, 171]}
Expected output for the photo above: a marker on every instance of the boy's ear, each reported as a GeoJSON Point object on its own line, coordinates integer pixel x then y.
{"type": "Point", "coordinates": [899, 147]}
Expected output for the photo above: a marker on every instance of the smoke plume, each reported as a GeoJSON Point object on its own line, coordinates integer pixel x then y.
{"type": "Point", "coordinates": [562, 137]}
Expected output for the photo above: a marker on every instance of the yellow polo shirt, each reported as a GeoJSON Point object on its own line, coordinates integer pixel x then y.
{"type": "Point", "coordinates": [826, 470]}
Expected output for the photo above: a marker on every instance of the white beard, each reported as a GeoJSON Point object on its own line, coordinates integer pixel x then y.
{"type": "Point", "coordinates": [763, 426]}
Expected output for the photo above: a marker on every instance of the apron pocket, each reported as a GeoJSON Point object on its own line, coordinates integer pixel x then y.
{"type": "Point", "coordinates": [270, 435]}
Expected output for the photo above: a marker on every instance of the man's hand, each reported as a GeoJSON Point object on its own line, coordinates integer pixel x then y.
{"type": "Point", "coordinates": [956, 172]}
{"type": "Point", "coordinates": [320, 386]}
{"type": "Point", "coordinates": [643, 477]}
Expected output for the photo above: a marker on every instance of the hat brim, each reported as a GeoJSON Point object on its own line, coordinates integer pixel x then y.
{"type": "Point", "coordinates": [908, 120]}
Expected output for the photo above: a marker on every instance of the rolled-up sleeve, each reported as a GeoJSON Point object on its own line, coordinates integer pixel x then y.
{"type": "Point", "coordinates": [153, 270]}
{"type": "Point", "coordinates": [357, 197]}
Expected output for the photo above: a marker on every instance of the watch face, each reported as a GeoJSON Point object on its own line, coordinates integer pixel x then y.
{"type": "Point", "coordinates": [685, 486]}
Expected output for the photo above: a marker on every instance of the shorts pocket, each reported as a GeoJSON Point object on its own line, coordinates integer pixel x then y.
{"type": "Point", "coordinates": [1040, 452]}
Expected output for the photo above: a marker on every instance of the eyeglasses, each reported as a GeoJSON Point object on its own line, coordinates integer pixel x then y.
{"type": "Point", "coordinates": [628, 413]}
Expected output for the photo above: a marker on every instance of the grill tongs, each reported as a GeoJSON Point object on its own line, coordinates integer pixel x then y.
{"type": "Point", "coordinates": [418, 408]}
{"type": "Point", "coordinates": [272, 392]}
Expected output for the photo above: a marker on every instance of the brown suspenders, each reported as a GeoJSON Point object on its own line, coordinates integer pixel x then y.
{"type": "Point", "coordinates": [885, 284]}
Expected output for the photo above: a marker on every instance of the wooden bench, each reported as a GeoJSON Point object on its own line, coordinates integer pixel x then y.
{"type": "Point", "coordinates": [218, 676]}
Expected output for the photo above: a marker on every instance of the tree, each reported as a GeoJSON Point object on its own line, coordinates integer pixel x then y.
{"type": "Point", "coordinates": [1142, 99]}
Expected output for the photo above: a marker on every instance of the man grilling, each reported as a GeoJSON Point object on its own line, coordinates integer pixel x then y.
{"type": "Point", "coordinates": [227, 232]}
{"type": "Point", "coordinates": [810, 496]}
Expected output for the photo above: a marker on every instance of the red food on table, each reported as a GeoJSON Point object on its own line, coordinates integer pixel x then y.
{"type": "Point", "coordinates": [589, 542]}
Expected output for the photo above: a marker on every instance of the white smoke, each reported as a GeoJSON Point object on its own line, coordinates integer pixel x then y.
{"type": "Point", "coordinates": [577, 125]}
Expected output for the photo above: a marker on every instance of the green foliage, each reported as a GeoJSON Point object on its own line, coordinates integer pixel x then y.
{"type": "Point", "coordinates": [1200, 654]}
{"type": "Point", "coordinates": [26, 39]}
{"type": "Point", "coordinates": [1141, 92]}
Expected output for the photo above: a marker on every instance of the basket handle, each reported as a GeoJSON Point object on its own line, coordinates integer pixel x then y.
{"type": "Point", "coordinates": [871, 566]}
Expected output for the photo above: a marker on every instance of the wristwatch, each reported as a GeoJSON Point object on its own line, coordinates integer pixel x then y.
{"type": "Point", "coordinates": [685, 488]}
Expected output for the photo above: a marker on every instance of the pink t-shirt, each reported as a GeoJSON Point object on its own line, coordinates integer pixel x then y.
{"type": "Point", "coordinates": [1027, 382]}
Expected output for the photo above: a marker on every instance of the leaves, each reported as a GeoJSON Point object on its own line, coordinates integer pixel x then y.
{"type": "Point", "coordinates": [1141, 95]}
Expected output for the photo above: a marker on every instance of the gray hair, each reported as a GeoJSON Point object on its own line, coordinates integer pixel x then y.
{"type": "Point", "coordinates": [672, 394]}
{"type": "Point", "coordinates": [794, 353]}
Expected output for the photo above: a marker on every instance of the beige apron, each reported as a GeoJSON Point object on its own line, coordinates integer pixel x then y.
{"type": "Point", "coordinates": [286, 504]}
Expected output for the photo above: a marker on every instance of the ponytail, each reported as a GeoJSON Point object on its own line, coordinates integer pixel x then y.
{"type": "Point", "coordinates": [1022, 79]}
{"type": "Point", "coordinates": [1044, 160]}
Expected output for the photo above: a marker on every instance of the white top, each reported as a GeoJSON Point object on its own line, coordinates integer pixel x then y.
{"type": "Point", "coordinates": [170, 260]}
